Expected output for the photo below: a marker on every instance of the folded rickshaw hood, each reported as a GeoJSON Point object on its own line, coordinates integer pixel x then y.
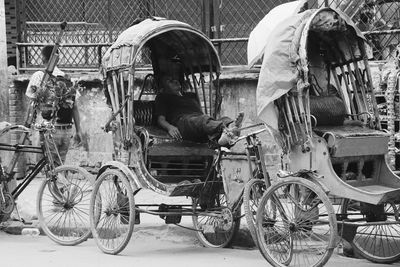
{"type": "Point", "coordinates": [285, 53]}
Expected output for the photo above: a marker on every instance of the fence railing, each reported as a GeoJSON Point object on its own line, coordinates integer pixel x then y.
{"type": "Point", "coordinates": [228, 23]}
{"type": "Point", "coordinates": [89, 54]}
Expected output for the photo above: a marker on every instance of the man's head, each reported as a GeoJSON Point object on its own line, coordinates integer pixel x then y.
{"type": "Point", "coordinates": [46, 53]}
{"type": "Point", "coordinates": [170, 85]}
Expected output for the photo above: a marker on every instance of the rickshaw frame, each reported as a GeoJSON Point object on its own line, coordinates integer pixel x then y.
{"type": "Point", "coordinates": [138, 143]}
{"type": "Point", "coordinates": [323, 155]}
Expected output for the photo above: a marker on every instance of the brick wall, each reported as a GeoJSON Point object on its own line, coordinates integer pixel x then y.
{"type": "Point", "coordinates": [17, 104]}
{"type": "Point", "coordinates": [11, 27]}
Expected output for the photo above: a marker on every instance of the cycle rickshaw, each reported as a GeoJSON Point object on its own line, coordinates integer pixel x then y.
{"type": "Point", "coordinates": [315, 87]}
{"type": "Point", "coordinates": [145, 157]}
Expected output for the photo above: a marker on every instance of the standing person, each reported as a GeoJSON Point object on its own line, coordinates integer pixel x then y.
{"type": "Point", "coordinates": [67, 111]}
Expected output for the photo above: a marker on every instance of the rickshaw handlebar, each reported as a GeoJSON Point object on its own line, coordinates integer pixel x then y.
{"type": "Point", "coordinates": [252, 133]}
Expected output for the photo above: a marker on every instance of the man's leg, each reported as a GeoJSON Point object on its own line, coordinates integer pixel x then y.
{"type": "Point", "coordinates": [62, 139]}
{"type": "Point", "coordinates": [202, 128]}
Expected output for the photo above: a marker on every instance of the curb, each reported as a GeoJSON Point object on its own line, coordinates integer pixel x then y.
{"type": "Point", "coordinates": [15, 227]}
{"type": "Point", "coordinates": [242, 239]}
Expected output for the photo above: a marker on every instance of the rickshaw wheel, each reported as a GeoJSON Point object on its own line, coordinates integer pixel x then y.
{"type": "Point", "coordinates": [63, 205]}
{"type": "Point", "coordinates": [216, 231]}
{"type": "Point", "coordinates": [112, 211]}
{"type": "Point", "coordinates": [253, 191]}
{"type": "Point", "coordinates": [377, 243]}
{"type": "Point", "coordinates": [296, 224]}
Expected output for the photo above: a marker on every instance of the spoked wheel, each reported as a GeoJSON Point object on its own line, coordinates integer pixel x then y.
{"type": "Point", "coordinates": [379, 242]}
{"type": "Point", "coordinates": [216, 224]}
{"type": "Point", "coordinates": [112, 211]}
{"type": "Point", "coordinates": [253, 191]}
{"type": "Point", "coordinates": [296, 224]}
{"type": "Point", "coordinates": [63, 205]}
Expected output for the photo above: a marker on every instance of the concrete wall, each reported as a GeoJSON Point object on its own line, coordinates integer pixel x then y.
{"type": "Point", "coordinates": [238, 89]}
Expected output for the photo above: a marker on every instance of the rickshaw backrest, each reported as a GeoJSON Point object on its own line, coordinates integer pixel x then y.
{"type": "Point", "coordinates": [143, 109]}
{"type": "Point", "coordinates": [149, 86]}
{"type": "Point", "coordinates": [143, 112]}
{"type": "Point", "coordinates": [327, 110]}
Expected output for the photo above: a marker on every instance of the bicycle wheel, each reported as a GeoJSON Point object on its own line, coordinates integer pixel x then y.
{"type": "Point", "coordinates": [253, 191]}
{"type": "Point", "coordinates": [112, 211]}
{"type": "Point", "coordinates": [217, 224]}
{"type": "Point", "coordinates": [296, 224]}
{"type": "Point", "coordinates": [63, 205]}
{"type": "Point", "coordinates": [378, 243]}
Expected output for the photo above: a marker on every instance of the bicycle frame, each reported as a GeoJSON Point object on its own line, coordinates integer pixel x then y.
{"type": "Point", "coordinates": [22, 148]}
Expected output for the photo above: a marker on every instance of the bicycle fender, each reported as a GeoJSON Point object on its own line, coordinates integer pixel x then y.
{"type": "Point", "coordinates": [130, 174]}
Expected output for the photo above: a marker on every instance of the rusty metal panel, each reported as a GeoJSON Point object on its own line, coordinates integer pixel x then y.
{"type": "Point", "coordinates": [235, 174]}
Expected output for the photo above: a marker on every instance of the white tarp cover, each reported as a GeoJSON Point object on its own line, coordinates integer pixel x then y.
{"type": "Point", "coordinates": [260, 34]}
{"type": "Point", "coordinates": [278, 72]}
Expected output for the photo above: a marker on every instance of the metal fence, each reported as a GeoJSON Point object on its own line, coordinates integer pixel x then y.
{"type": "Point", "coordinates": [97, 23]}
{"type": "Point", "coordinates": [378, 19]}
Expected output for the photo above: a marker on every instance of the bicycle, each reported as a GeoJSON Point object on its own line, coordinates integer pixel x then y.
{"type": "Point", "coordinates": [63, 197]}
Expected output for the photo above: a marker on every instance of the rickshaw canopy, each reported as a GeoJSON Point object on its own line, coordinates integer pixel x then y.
{"type": "Point", "coordinates": [286, 51]}
{"type": "Point", "coordinates": [165, 38]}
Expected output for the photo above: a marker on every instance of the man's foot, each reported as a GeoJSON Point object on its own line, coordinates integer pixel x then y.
{"type": "Point", "coordinates": [229, 135]}
{"type": "Point", "coordinates": [227, 138]}
{"type": "Point", "coordinates": [239, 119]}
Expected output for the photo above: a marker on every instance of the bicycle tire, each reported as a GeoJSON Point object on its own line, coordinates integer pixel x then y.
{"type": "Point", "coordinates": [377, 243]}
{"type": "Point", "coordinates": [63, 207]}
{"type": "Point", "coordinates": [252, 194]}
{"type": "Point", "coordinates": [213, 232]}
{"type": "Point", "coordinates": [312, 222]}
{"type": "Point", "coordinates": [112, 212]}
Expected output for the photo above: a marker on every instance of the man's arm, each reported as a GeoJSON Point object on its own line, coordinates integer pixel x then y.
{"type": "Point", "coordinates": [171, 129]}
{"type": "Point", "coordinates": [161, 111]}
{"type": "Point", "coordinates": [77, 121]}
{"type": "Point", "coordinates": [34, 84]}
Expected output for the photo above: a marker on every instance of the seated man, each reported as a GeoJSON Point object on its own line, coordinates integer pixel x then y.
{"type": "Point", "coordinates": [181, 116]}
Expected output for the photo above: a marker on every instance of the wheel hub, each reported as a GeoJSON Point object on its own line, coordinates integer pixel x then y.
{"type": "Point", "coordinates": [292, 227]}
{"type": "Point", "coordinates": [6, 206]}
{"type": "Point", "coordinates": [226, 219]}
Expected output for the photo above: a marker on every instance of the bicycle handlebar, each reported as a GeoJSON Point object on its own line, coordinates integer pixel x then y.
{"type": "Point", "coordinates": [14, 127]}
{"type": "Point", "coordinates": [37, 126]}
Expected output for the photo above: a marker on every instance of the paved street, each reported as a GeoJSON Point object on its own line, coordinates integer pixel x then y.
{"type": "Point", "coordinates": [153, 244]}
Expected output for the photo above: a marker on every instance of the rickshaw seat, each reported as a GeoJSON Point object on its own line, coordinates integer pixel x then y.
{"type": "Point", "coordinates": [162, 143]}
{"type": "Point", "coordinates": [343, 131]}
{"type": "Point", "coordinates": [350, 140]}
{"type": "Point", "coordinates": [165, 145]}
